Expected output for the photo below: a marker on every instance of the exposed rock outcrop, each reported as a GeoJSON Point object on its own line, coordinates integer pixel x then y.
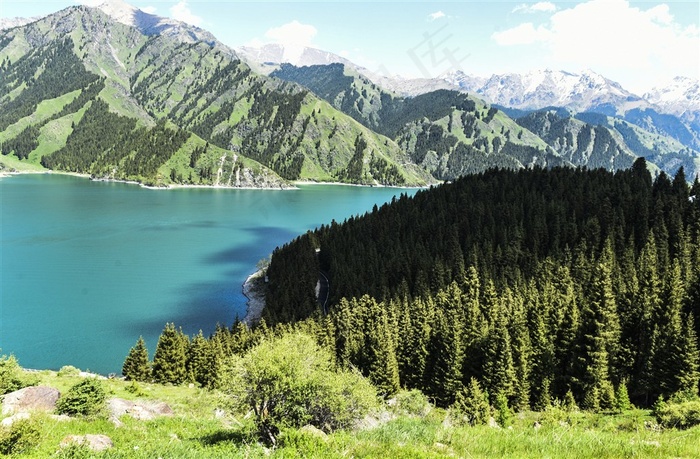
{"type": "Point", "coordinates": [35, 398]}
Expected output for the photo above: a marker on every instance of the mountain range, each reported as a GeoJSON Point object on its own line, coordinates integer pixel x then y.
{"type": "Point", "coordinates": [119, 93]}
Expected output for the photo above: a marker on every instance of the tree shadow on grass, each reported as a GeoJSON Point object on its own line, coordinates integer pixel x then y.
{"type": "Point", "coordinates": [238, 436]}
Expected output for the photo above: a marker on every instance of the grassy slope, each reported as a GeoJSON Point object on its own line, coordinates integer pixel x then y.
{"type": "Point", "coordinates": [195, 431]}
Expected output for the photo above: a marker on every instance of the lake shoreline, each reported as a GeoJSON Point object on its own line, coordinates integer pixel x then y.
{"type": "Point", "coordinates": [253, 289]}
{"type": "Point", "coordinates": [293, 185]}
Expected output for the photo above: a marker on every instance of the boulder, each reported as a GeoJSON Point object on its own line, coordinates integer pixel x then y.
{"type": "Point", "coordinates": [35, 398]}
{"type": "Point", "coordinates": [7, 422]}
{"type": "Point", "coordinates": [142, 410]}
{"type": "Point", "coordinates": [94, 442]}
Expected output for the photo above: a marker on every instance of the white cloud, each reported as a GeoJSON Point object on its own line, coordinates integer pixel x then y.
{"type": "Point", "coordinates": [149, 9]}
{"type": "Point", "coordinates": [540, 7]}
{"type": "Point", "coordinates": [524, 34]}
{"type": "Point", "coordinates": [436, 15]}
{"type": "Point", "coordinates": [295, 36]}
{"type": "Point", "coordinates": [181, 11]}
{"type": "Point", "coordinates": [292, 33]}
{"type": "Point", "coordinates": [613, 38]}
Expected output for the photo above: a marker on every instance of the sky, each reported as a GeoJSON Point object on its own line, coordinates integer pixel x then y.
{"type": "Point", "coordinates": [640, 44]}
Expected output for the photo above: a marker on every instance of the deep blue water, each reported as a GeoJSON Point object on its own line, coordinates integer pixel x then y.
{"type": "Point", "coordinates": [87, 267]}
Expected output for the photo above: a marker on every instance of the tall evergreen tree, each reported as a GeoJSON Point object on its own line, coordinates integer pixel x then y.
{"type": "Point", "coordinates": [443, 374]}
{"type": "Point", "coordinates": [169, 360]}
{"type": "Point", "coordinates": [136, 365]}
{"type": "Point", "coordinates": [499, 371]}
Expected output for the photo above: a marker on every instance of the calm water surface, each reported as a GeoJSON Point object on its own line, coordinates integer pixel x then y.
{"type": "Point", "coordinates": [87, 267]}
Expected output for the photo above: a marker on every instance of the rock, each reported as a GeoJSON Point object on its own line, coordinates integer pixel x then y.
{"type": "Point", "coordinates": [142, 411]}
{"type": "Point", "coordinates": [35, 398]}
{"type": "Point", "coordinates": [536, 425]}
{"type": "Point", "coordinates": [314, 431]}
{"type": "Point", "coordinates": [7, 422]}
{"type": "Point", "coordinates": [493, 424]}
{"type": "Point", "coordinates": [94, 442]}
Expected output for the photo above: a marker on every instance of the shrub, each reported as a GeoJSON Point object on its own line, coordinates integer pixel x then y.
{"type": "Point", "coordinates": [412, 403]}
{"type": "Point", "coordinates": [12, 377]}
{"type": "Point", "coordinates": [678, 412]}
{"type": "Point", "coordinates": [290, 381]}
{"type": "Point", "coordinates": [87, 398]}
{"type": "Point", "coordinates": [20, 437]}
{"type": "Point", "coordinates": [68, 370]}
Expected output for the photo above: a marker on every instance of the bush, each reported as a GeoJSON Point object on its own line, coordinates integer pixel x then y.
{"type": "Point", "coordinates": [87, 398]}
{"type": "Point", "coordinates": [68, 370]}
{"type": "Point", "coordinates": [290, 381]}
{"type": "Point", "coordinates": [678, 412]}
{"type": "Point", "coordinates": [12, 377]}
{"type": "Point", "coordinates": [20, 437]}
{"type": "Point", "coordinates": [412, 403]}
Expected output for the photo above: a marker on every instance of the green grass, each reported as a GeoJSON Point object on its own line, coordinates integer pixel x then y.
{"type": "Point", "coordinates": [11, 162]}
{"type": "Point", "coordinates": [45, 110]}
{"type": "Point", "coordinates": [195, 432]}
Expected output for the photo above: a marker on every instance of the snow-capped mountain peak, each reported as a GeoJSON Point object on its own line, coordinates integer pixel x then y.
{"type": "Point", "coordinates": [120, 11]}
{"type": "Point", "coordinates": [679, 95]}
{"type": "Point", "coordinates": [543, 88]}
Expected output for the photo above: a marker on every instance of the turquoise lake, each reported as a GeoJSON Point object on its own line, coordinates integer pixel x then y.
{"type": "Point", "coordinates": [87, 267]}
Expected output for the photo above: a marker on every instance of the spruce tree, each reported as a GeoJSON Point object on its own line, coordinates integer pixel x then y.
{"type": "Point", "coordinates": [599, 339]}
{"type": "Point", "coordinates": [136, 365]}
{"type": "Point", "coordinates": [169, 360]}
{"type": "Point", "coordinates": [499, 370]}
{"type": "Point", "coordinates": [198, 360]}
{"type": "Point", "coordinates": [472, 404]}
{"type": "Point", "coordinates": [443, 375]}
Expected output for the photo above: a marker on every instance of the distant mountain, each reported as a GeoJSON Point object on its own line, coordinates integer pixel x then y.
{"type": "Point", "coordinates": [268, 58]}
{"type": "Point", "coordinates": [586, 91]}
{"type": "Point", "coordinates": [582, 144]}
{"type": "Point", "coordinates": [118, 93]}
{"type": "Point", "coordinates": [680, 97]}
{"type": "Point", "coordinates": [448, 133]}
{"type": "Point", "coordinates": [10, 23]}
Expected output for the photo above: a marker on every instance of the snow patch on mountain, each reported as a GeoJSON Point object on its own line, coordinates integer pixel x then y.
{"type": "Point", "coordinates": [150, 24]}
{"type": "Point", "coordinates": [11, 23]}
{"type": "Point", "coordinates": [546, 88]}
{"type": "Point", "coordinates": [680, 96]}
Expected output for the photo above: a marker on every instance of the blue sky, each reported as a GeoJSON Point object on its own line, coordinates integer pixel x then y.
{"type": "Point", "coordinates": [639, 44]}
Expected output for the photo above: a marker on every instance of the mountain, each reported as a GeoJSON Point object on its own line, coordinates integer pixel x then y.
{"type": "Point", "coordinates": [586, 91]}
{"type": "Point", "coordinates": [118, 93]}
{"type": "Point", "coordinates": [448, 133]}
{"type": "Point", "coordinates": [582, 144]}
{"type": "Point", "coordinates": [680, 97]}
{"type": "Point", "coordinates": [269, 58]}
{"type": "Point", "coordinates": [11, 23]}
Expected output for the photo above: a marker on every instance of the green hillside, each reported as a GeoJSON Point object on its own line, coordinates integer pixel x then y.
{"type": "Point", "coordinates": [82, 93]}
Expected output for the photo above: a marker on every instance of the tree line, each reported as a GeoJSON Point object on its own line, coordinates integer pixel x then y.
{"type": "Point", "coordinates": [516, 287]}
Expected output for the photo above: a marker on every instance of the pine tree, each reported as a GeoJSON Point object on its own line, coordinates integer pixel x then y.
{"type": "Point", "coordinates": [499, 370]}
{"type": "Point", "coordinates": [198, 360]}
{"type": "Point", "coordinates": [136, 365]}
{"type": "Point", "coordinates": [599, 339]}
{"type": "Point", "coordinates": [622, 398]}
{"type": "Point", "coordinates": [170, 357]}
{"type": "Point", "coordinates": [472, 404]}
{"type": "Point", "coordinates": [688, 375]}
{"type": "Point", "coordinates": [443, 375]}
{"type": "Point", "coordinates": [382, 366]}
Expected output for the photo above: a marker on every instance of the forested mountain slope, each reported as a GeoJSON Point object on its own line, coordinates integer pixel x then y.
{"type": "Point", "coordinates": [446, 132]}
{"type": "Point", "coordinates": [538, 283]}
{"type": "Point", "coordinates": [79, 76]}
